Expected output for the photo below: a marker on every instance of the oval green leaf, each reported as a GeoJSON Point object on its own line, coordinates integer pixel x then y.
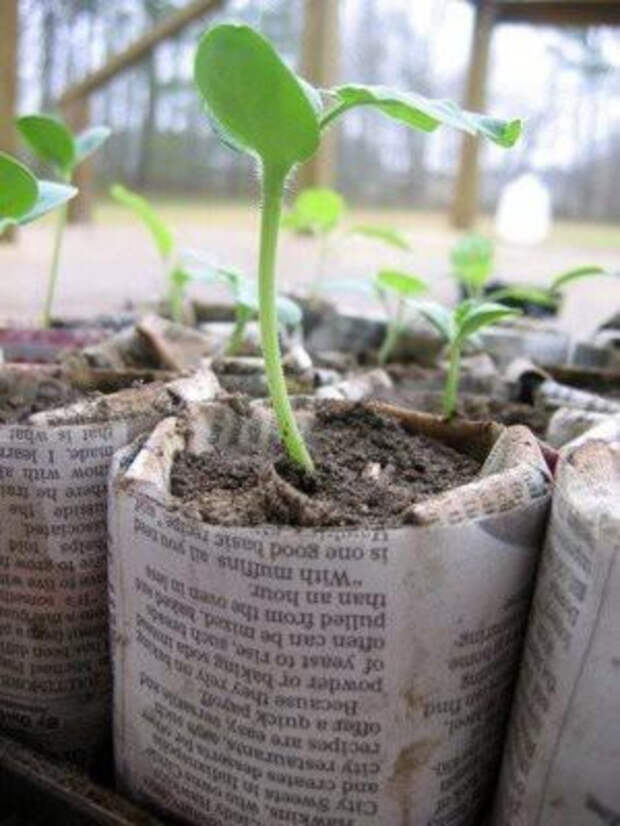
{"type": "Point", "coordinates": [420, 112]}
{"type": "Point", "coordinates": [161, 232]}
{"type": "Point", "coordinates": [477, 316]}
{"type": "Point", "coordinates": [472, 259]}
{"type": "Point", "coordinates": [89, 141]}
{"type": "Point", "coordinates": [388, 235]}
{"type": "Point", "coordinates": [400, 282]}
{"type": "Point", "coordinates": [439, 316]}
{"type": "Point", "coordinates": [50, 140]}
{"type": "Point", "coordinates": [316, 210]}
{"type": "Point", "coordinates": [257, 101]}
{"type": "Point", "coordinates": [574, 275]}
{"type": "Point", "coordinates": [18, 188]}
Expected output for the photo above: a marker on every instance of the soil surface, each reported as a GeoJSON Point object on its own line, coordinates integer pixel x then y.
{"type": "Point", "coordinates": [474, 407]}
{"type": "Point", "coordinates": [369, 470]}
{"type": "Point", "coordinates": [25, 394]}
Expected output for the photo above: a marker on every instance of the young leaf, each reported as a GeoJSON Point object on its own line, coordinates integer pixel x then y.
{"type": "Point", "coordinates": [440, 317]}
{"type": "Point", "coordinates": [257, 101]}
{"type": "Point", "coordinates": [50, 196]}
{"type": "Point", "coordinates": [50, 140]}
{"type": "Point", "coordinates": [525, 293]}
{"type": "Point", "coordinates": [477, 316]}
{"type": "Point", "coordinates": [420, 112]}
{"type": "Point", "coordinates": [161, 232]}
{"type": "Point", "coordinates": [573, 275]}
{"type": "Point", "coordinates": [317, 210]}
{"type": "Point", "coordinates": [472, 259]}
{"type": "Point", "coordinates": [89, 141]}
{"type": "Point", "coordinates": [18, 188]}
{"type": "Point", "coordinates": [388, 235]}
{"type": "Point", "coordinates": [289, 312]}
{"type": "Point", "coordinates": [400, 282]}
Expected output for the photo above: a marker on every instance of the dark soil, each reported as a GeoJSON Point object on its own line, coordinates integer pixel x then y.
{"type": "Point", "coordinates": [21, 395]}
{"type": "Point", "coordinates": [369, 470]}
{"type": "Point", "coordinates": [473, 407]}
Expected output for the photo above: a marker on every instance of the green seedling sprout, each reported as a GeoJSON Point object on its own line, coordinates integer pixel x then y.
{"type": "Point", "coordinates": [316, 211]}
{"type": "Point", "coordinates": [23, 198]}
{"type": "Point", "coordinates": [456, 326]}
{"type": "Point", "coordinates": [472, 260]}
{"type": "Point", "coordinates": [55, 144]}
{"type": "Point", "coordinates": [401, 286]}
{"type": "Point", "coordinates": [245, 296]}
{"type": "Point", "coordinates": [259, 106]}
{"type": "Point", "coordinates": [549, 296]}
{"type": "Point", "coordinates": [177, 275]}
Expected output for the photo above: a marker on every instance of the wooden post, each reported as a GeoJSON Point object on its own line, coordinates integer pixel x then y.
{"type": "Point", "coordinates": [8, 83]}
{"type": "Point", "coordinates": [319, 65]}
{"type": "Point", "coordinates": [466, 196]}
{"type": "Point", "coordinates": [77, 116]}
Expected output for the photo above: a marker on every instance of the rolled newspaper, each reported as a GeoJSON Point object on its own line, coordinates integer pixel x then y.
{"type": "Point", "coordinates": [561, 764]}
{"type": "Point", "coordinates": [350, 677]}
{"type": "Point", "coordinates": [55, 679]}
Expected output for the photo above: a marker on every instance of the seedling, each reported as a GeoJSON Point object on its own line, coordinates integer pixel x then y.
{"type": "Point", "coordinates": [23, 198]}
{"type": "Point", "coordinates": [549, 297]}
{"type": "Point", "coordinates": [316, 211]}
{"type": "Point", "coordinates": [390, 285]}
{"type": "Point", "coordinates": [472, 259]}
{"type": "Point", "coordinates": [54, 143]}
{"type": "Point", "coordinates": [176, 274]}
{"type": "Point", "coordinates": [456, 326]}
{"type": "Point", "coordinates": [259, 106]}
{"type": "Point", "coordinates": [245, 296]}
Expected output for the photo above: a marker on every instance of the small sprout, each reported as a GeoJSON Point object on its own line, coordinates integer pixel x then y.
{"type": "Point", "coordinates": [245, 296]}
{"type": "Point", "coordinates": [259, 106]}
{"type": "Point", "coordinates": [456, 326]}
{"type": "Point", "coordinates": [177, 276]}
{"type": "Point", "coordinates": [55, 144]}
{"type": "Point", "coordinates": [316, 211]}
{"type": "Point", "coordinates": [546, 296]}
{"type": "Point", "coordinates": [23, 198]}
{"type": "Point", "coordinates": [389, 235]}
{"type": "Point", "coordinates": [472, 259]}
{"type": "Point", "coordinates": [402, 286]}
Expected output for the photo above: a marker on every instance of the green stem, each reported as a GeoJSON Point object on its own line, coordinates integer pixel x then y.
{"type": "Point", "coordinates": [175, 302]}
{"type": "Point", "coordinates": [272, 187]}
{"type": "Point", "coordinates": [392, 334]}
{"type": "Point", "coordinates": [236, 338]}
{"type": "Point", "coordinates": [452, 381]}
{"type": "Point", "coordinates": [53, 275]}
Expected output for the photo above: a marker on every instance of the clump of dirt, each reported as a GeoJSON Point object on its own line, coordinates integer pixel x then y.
{"type": "Point", "coordinates": [22, 394]}
{"type": "Point", "coordinates": [473, 407]}
{"type": "Point", "coordinates": [368, 471]}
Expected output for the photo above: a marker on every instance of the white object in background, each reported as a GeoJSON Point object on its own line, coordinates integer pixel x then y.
{"type": "Point", "coordinates": [524, 211]}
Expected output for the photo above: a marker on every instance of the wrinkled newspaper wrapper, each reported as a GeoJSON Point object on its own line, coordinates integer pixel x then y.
{"type": "Point", "coordinates": [561, 765]}
{"type": "Point", "coordinates": [55, 682]}
{"type": "Point", "coordinates": [342, 677]}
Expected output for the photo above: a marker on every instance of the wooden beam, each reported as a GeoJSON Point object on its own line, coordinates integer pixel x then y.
{"type": "Point", "coordinates": [559, 12]}
{"type": "Point", "coordinates": [9, 25]}
{"type": "Point", "coordinates": [465, 202]}
{"type": "Point", "coordinates": [118, 63]}
{"type": "Point", "coordinates": [320, 65]}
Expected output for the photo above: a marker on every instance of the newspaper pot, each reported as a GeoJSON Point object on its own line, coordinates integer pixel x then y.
{"type": "Point", "coordinates": [55, 689]}
{"type": "Point", "coordinates": [344, 676]}
{"type": "Point", "coordinates": [525, 338]}
{"type": "Point", "coordinates": [32, 345]}
{"type": "Point", "coordinates": [561, 763]}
